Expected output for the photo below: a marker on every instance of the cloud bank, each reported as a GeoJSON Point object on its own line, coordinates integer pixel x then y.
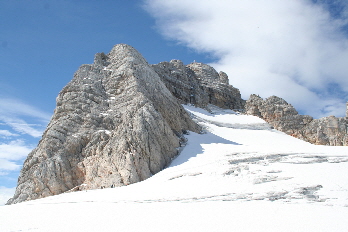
{"type": "Point", "coordinates": [294, 49]}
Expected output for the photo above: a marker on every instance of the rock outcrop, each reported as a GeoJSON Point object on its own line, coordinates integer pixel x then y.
{"type": "Point", "coordinates": [277, 112]}
{"type": "Point", "coordinates": [326, 131]}
{"type": "Point", "coordinates": [199, 84]}
{"type": "Point", "coordinates": [116, 123]}
{"type": "Point", "coordinates": [284, 117]}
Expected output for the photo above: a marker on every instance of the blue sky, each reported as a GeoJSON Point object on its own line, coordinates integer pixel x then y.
{"type": "Point", "coordinates": [295, 49]}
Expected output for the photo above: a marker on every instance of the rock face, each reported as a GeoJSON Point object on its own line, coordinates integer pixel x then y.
{"type": "Point", "coordinates": [199, 84]}
{"type": "Point", "coordinates": [326, 131]}
{"type": "Point", "coordinates": [277, 112]}
{"type": "Point", "coordinates": [284, 117]}
{"type": "Point", "coordinates": [115, 124]}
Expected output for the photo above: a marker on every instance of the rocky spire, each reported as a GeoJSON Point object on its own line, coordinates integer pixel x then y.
{"type": "Point", "coordinates": [115, 124]}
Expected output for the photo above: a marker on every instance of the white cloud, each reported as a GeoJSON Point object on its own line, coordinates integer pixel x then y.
{"type": "Point", "coordinates": [9, 106]}
{"type": "Point", "coordinates": [6, 133]}
{"type": "Point", "coordinates": [15, 114]}
{"type": "Point", "coordinates": [22, 126]}
{"type": "Point", "coordinates": [12, 155]}
{"type": "Point", "coordinates": [293, 49]}
{"type": "Point", "coordinates": [14, 150]}
{"type": "Point", "coordinates": [5, 194]}
{"type": "Point", "coordinates": [8, 165]}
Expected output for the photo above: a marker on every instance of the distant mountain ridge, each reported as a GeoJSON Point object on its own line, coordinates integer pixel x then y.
{"type": "Point", "coordinates": [120, 121]}
{"type": "Point", "coordinates": [284, 117]}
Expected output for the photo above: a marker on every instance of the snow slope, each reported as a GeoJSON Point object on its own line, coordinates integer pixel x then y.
{"type": "Point", "coordinates": [240, 175]}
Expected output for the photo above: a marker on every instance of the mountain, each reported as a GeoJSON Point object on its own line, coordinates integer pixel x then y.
{"type": "Point", "coordinates": [116, 123]}
{"type": "Point", "coordinates": [238, 175]}
{"type": "Point", "coordinates": [120, 121]}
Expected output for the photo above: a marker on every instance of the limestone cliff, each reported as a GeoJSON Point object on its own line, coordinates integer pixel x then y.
{"type": "Point", "coordinates": [284, 117]}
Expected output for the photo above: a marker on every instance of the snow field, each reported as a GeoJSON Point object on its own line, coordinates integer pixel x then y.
{"type": "Point", "coordinates": [240, 175]}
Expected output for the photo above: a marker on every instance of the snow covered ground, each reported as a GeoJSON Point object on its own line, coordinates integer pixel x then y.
{"type": "Point", "coordinates": [240, 175]}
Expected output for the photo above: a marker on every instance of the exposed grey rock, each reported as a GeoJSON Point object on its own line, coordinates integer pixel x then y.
{"type": "Point", "coordinates": [277, 112]}
{"type": "Point", "coordinates": [326, 131]}
{"type": "Point", "coordinates": [199, 84]}
{"type": "Point", "coordinates": [284, 117]}
{"type": "Point", "coordinates": [115, 124]}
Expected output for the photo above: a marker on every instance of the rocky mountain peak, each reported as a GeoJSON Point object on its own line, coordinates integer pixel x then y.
{"type": "Point", "coordinates": [117, 122]}
{"type": "Point", "coordinates": [123, 54]}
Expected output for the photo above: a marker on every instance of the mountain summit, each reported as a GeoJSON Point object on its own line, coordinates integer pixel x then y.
{"type": "Point", "coordinates": [116, 123]}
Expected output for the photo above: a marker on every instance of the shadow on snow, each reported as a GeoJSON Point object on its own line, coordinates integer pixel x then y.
{"type": "Point", "coordinates": [194, 146]}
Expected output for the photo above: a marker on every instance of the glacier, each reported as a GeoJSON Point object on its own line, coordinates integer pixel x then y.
{"type": "Point", "coordinates": [239, 175]}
